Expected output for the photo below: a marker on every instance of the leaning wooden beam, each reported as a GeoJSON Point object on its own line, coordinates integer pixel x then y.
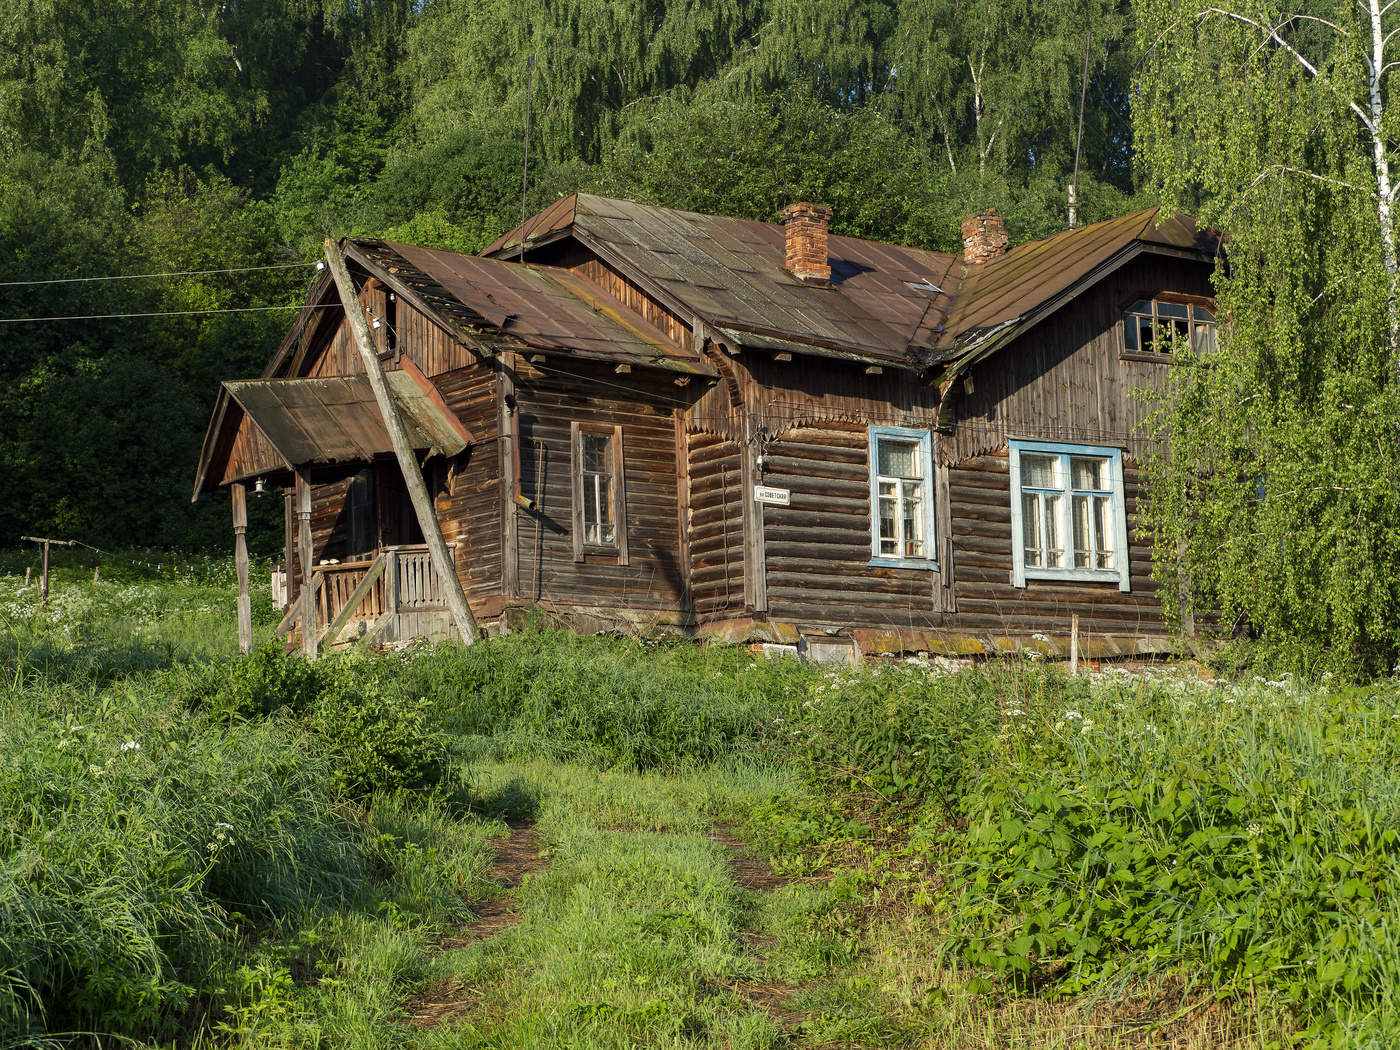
{"type": "Point", "coordinates": [375, 570]}
{"type": "Point", "coordinates": [308, 589]}
{"type": "Point", "coordinates": [239, 493]}
{"type": "Point", "coordinates": [403, 452]}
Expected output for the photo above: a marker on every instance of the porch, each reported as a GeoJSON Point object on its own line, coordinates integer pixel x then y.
{"type": "Point", "coordinates": [395, 595]}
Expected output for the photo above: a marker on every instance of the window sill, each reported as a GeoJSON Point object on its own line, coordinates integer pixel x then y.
{"type": "Point", "coordinates": [902, 563]}
{"type": "Point", "coordinates": [1079, 576]}
{"type": "Point", "coordinates": [1138, 355]}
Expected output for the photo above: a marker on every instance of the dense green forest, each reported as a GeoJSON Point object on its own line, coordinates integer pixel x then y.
{"type": "Point", "coordinates": [176, 136]}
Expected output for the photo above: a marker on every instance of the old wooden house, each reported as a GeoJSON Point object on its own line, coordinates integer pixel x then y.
{"type": "Point", "coordinates": [636, 418]}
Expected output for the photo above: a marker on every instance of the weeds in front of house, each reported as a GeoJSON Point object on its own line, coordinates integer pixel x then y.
{"type": "Point", "coordinates": [261, 852]}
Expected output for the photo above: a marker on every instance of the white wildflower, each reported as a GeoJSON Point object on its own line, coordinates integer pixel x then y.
{"type": "Point", "coordinates": [1015, 712]}
{"type": "Point", "coordinates": [131, 745]}
{"type": "Point", "coordinates": [1040, 637]}
{"type": "Point", "coordinates": [1073, 715]}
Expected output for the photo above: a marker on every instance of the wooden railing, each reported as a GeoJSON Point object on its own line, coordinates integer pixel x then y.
{"type": "Point", "coordinates": [397, 579]}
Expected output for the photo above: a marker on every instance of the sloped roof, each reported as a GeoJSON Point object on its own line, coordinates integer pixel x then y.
{"type": "Point", "coordinates": [318, 421]}
{"type": "Point", "coordinates": [536, 307]}
{"type": "Point", "coordinates": [885, 303]}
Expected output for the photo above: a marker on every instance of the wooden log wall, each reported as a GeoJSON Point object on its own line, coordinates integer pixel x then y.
{"type": "Point", "coordinates": [654, 576]}
{"type": "Point", "coordinates": [818, 549]}
{"type": "Point", "coordinates": [979, 491]}
{"type": "Point", "coordinates": [716, 529]}
{"type": "Point", "coordinates": [328, 523]}
{"type": "Point", "coordinates": [469, 504]}
{"type": "Point", "coordinates": [1065, 379]}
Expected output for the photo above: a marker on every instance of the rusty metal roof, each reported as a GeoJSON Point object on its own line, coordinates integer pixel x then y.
{"type": "Point", "coordinates": [1036, 272]}
{"type": "Point", "coordinates": [533, 307]}
{"type": "Point", "coordinates": [884, 303]}
{"type": "Point", "coordinates": [322, 421]}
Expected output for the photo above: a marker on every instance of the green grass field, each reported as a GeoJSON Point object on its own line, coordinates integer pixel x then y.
{"type": "Point", "coordinates": [555, 841]}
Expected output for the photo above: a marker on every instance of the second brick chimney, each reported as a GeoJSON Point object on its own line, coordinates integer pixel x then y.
{"type": "Point", "coordinates": [807, 256]}
{"type": "Point", "coordinates": [984, 237]}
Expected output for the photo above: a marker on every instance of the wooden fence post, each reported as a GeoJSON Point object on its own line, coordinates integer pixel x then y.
{"type": "Point", "coordinates": [239, 493]}
{"type": "Point", "coordinates": [308, 589]}
{"type": "Point", "coordinates": [44, 585]}
{"type": "Point", "coordinates": [1074, 644]}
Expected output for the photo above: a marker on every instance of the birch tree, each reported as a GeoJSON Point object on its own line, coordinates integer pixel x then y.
{"type": "Point", "coordinates": [1273, 494]}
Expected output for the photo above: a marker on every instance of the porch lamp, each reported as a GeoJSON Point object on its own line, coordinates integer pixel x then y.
{"type": "Point", "coordinates": [259, 487]}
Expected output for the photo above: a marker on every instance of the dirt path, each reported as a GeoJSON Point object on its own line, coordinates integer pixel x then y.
{"type": "Point", "coordinates": [758, 877]}
{"type": "Point", "coordinates": [516, 857]}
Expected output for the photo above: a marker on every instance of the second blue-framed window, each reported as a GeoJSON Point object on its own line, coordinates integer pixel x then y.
{"type": "Point", "coordinates": [1068, 517]}
{"type": "Point", "coordinates": [901, 498]}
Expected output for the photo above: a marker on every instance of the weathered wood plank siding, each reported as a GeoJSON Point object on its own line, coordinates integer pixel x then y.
{"type": "Point", "coordinates": [1064, 380]}
{"type": "Point", "coordinates": [980, 502]}
{"type": "Point", "coordinates": [469, 506]}
{"type": "Point", "coordinates": [818, 549]}
{"type": "Point", "coordinates": [716, 530]}
{"type": "Point", "coordinates": [654, 576]}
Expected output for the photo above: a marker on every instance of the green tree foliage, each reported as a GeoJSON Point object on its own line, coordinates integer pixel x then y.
{"type": "Point", "coordinates": [172, 135]}
{"type": "Point", "coordinates": [1274, 497]}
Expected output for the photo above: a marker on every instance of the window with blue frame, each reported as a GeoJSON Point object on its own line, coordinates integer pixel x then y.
{"type": "Point", "coordinates": [1068, 517]}
{"type": "Point", "coordinates": [901, 498]}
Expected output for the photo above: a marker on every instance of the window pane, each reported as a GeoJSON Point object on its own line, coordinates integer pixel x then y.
{"type": "Point", "coordinates": [1142, 306]}
{"type": "Point", "coordinates": [1082, 539]}
{"type": "Point", "coordinates": [889, 514]}
{"type": "Point", "coordinates": [1130, 333]}
{"type": "Point", "coordinates": [898, 459]}
{"type": "Point", "coordinates": [1203, 341]}
{"type": "Point", "coordinates": [1171, 311]}
{"type": "Point", "coordinates": [596, 484]}
{"type": "Point", "coordinates": [595, 453]}
{"type": "Point", "coordinates": [913, 508]}
{"type": "Point", "coordinates": [1039, 471]}
{"type": "Point", "coordinates": [1054, 544]}
{"type": "Point", "coordinates": [1202, 314]}
{"type": "Point", "coordinates": [1030, 528]}
{"type": "Point", "coordinates": [1089, 472]}
{"type": "Point", "coordinates": [1147, 336]}
{"type": "Point", "coordinates": [1103, 531]}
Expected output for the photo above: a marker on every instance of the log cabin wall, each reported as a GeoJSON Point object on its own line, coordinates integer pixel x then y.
{"type": "Point", "coordinates": [818, 549]}
{"type": "Point", "coordinates": [715, 525]}
{"type": "Point", "coordinates": [469, 502]}
{"type": "Point", "coordinates": [551, 396]}
{"type": "Point", "coordinates": [328, 350]}
{"type": "Point", "coordinates": [1065, 379]}
{"type": "Point", "coordinates": [980, 503]}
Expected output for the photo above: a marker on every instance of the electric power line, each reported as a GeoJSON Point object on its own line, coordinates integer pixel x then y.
{"type": "Point", "coordinates": [167, 313]}
{"type": "Point", "coordinates": [173, 273]}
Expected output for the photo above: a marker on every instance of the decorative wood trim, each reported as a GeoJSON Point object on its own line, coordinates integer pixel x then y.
{"type": "Point", "coordinates": [619, 494]}
{"type": "Point", "coordinates": [576, 484]}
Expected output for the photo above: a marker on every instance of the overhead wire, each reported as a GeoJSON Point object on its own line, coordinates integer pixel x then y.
{"type": "Point", "coordinates": [169, 313]}
{"type": "Point", "coordinates": [171, 273]}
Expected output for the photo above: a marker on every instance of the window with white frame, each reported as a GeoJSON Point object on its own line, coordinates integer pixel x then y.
{"type": "Point", "coordinates": [599, 503]}
{"type": "Point", "coordinates": [1068, 518]}
{"type": "Point", "coordinates": [901, 498]}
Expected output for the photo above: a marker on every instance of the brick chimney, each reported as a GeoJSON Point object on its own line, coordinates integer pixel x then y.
{"type": "Point", "coordinates": [807, 257]}
{"type": "Point", "coordinates": [984, 237]}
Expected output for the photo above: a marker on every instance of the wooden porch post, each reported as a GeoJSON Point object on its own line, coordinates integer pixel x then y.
{"type": "Point", "coordinates": [308, 592]}
{"type": "Point", "coordinates": [403, 452]}
{"type": "Point", "coordinates": [239, 493]}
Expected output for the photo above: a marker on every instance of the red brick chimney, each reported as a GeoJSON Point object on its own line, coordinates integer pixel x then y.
{"type": "Point", "coordinates": [984, 237]}
{"type": "Point", "coordinates": [807, 256]}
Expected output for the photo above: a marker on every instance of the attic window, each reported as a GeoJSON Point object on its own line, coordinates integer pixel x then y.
{"type": "Point", "coordinates": [1151, 327]}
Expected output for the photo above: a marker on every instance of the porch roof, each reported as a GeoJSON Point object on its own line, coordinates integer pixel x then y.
{"type": "Point", "coordinates": [263, 427]}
